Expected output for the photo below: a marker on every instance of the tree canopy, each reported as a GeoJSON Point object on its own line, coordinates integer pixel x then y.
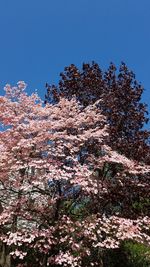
{"type": "Point", "coordinates": [120, 96]}
{"type": "Point", "coordinates": [55, 210]}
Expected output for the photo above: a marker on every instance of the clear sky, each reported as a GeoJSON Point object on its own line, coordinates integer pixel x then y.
{"type": "Point", "coordinates": [38, 38]}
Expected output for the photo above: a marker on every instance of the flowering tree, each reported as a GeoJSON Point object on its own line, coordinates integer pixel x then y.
{"type": "Point", "coordinates": [56, 211]}
{"type": "Point", "coordinates": [121, 103]}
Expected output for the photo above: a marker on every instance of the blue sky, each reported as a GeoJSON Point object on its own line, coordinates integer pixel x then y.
{"type": "Point", "coordinates": [40, 37]}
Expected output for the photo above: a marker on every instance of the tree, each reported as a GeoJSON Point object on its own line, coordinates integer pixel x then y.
{"type": "Point", "coordinates": [120, 96]}
{"type": "Point", "coordinates": [39, 223]}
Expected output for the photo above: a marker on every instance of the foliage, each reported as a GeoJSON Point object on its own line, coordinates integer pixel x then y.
{"type": "Point", "coordinates": [130, 254]}
{"type": "Point", "coordinates": [55, 210]}
{"type": "Point", "coordinates": [120, 96]}
{"type": "Point", "coordinates": [138, 254]}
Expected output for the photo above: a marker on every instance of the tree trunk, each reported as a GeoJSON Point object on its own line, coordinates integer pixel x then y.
{"type": "Point", "coordinates": [5, 258]}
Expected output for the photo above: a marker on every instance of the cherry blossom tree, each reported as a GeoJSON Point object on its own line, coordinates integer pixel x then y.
{"type": "Point", "coordinates": [56, 211]}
